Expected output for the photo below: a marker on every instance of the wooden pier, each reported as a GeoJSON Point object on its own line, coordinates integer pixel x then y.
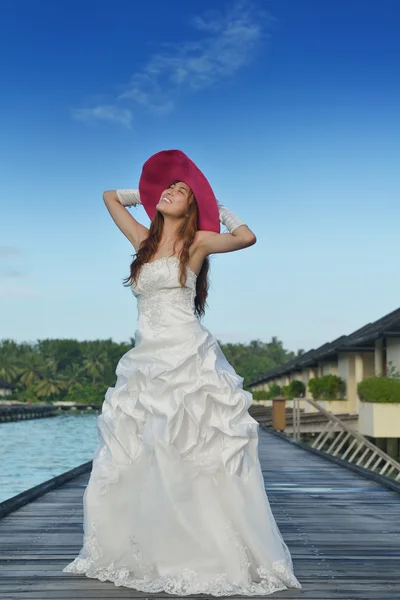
{"type": "Point", "coordinates": [20, 412]}
{"type": "Point", "coordinates": [343, 530]}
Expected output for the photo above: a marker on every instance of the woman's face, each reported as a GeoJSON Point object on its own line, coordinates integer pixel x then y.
{"type": "Point", "coordinates": [174, 199]}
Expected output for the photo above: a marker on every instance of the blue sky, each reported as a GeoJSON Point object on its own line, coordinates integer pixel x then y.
{"type": "Point", "coordinates": [291, 109]}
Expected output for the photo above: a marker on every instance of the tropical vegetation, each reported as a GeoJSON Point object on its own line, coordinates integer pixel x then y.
{"type": "Point", "coordinates": [81, 371]}
{"type": "Point", "coordinates": [327, 387]}
{"type": "Point", "coordinates": [379, 389]}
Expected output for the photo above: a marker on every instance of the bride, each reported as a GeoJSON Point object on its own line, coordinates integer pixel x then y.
{"type": "Point", "coordinates": [175, 500]}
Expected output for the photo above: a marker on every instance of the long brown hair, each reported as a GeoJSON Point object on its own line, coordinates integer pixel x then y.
{"type": "Point", "coordinates": [187, 234]}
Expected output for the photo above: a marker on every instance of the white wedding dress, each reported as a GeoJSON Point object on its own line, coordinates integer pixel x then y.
{"type": "Point", "coordinates": [176, 500]}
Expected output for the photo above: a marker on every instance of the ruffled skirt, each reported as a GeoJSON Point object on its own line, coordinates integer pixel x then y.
{"type": "Point", "coordinates": [176, 500]}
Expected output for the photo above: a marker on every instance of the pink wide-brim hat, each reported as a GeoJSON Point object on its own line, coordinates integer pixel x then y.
{"type": "Point", "coordinates": [164, 167]}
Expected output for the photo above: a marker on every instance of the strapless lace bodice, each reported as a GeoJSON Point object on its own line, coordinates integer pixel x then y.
{"type": "Point", "coordinates": [161, 300]}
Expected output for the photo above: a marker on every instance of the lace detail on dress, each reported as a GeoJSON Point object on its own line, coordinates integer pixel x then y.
{"type": "Point", "coordinates": [186, 581]}
{"type": "Point", "coordinates": [153, 270]}
{"type": "Point", "coordinates": [155, 301]}
{"type": "Point", "coordinates": [153, 308]}
{"type": "Point", "coordinates": [159, 264]}
{"type": "Point", "coordinates": [149, 308]}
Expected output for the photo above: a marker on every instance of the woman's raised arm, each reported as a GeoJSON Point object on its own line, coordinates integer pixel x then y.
{"type": "Point", "coordinates": [116, 202]}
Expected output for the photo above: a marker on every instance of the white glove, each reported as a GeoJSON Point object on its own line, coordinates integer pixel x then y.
{"type": "Point", "coordinates": [228, 218]}
{"type": "Point", "coordinates": [128, 197]}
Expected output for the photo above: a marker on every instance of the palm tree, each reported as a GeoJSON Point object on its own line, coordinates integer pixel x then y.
{"type": "Point", "coordinates": [93, 366]}
{"type": "Point", "coordinates": [9, 360]}
{"type": "Point", "coordinates": [72, 379]}
{"type": "Point", "coordinates": [30, 371]}
{"type": "Point", "coordinates": [50, 387]}
{"type": "Point", "coordinates": [8, 370]}
{"type": "Point", "coordinates": [51, 382]}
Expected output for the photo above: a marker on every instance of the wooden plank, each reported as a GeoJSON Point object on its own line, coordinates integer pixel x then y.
{"type": "Point", "coordinates": [343, 532]}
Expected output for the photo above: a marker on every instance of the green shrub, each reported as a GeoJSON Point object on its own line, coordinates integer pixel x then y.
{"type": "Point", "coordinates": [261, 395]}
{"type": "Point", "coordinates": [294, 389]}
{"type": "Point", "coordinates": [297, 389]}
{"type": "Point", "coordinates": [274, 390]}
{"type": "Point", "coordinates": [315, 387]}
{"type": "Point", "coordinates": [379, 389]}
{"type": "Point", "coordinates": [327, 387]}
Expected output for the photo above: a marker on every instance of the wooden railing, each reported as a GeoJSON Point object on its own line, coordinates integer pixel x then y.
{"type": "Point", "coordinates": [347, 444]}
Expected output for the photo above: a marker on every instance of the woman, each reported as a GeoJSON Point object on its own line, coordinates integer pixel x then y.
{"type": "Point", "coordinates": [176, 499]}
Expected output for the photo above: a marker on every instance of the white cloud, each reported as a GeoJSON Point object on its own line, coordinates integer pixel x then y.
{"type": "Point", "coordinates": [104, 113]}
{"type": "Point", "coordinates": [231, 42]}
{"type": "Point", "coordinates": [222, 44]}
{"type": "Point", "coordinates": [146, 90]}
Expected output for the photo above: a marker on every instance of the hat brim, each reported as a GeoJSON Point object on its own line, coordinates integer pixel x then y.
{"type": "Point", "coordinates": [164, 167]}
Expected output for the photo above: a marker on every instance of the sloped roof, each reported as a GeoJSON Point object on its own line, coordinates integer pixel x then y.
{"type": "Point", "coordinates": [387, 326]}
{"type": "Point", "coordinates": [5, 385]}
